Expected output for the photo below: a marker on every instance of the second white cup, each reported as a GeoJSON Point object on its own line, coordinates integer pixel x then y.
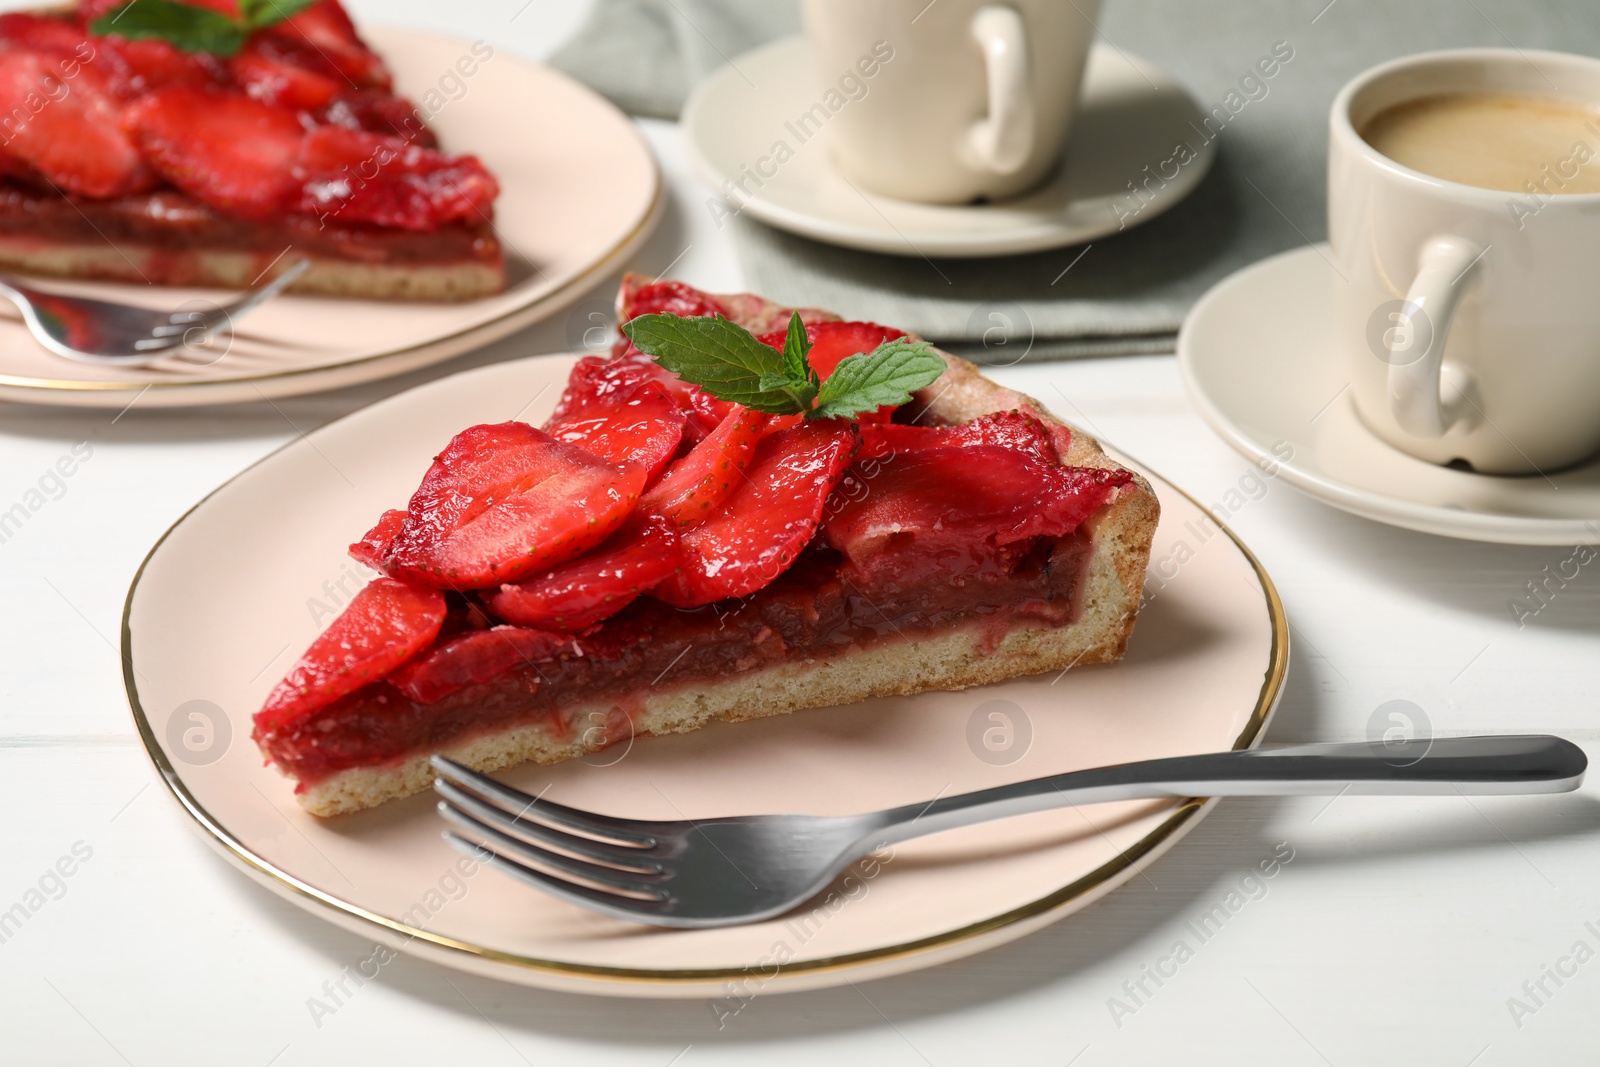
{"type": "Point", "coordinates": [968, 99]}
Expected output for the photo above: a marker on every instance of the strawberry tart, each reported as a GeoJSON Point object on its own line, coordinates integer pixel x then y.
{"type": "Point", "coordinates": [744, 510]}
{"type": "Point", "coordinates": [212, 142]}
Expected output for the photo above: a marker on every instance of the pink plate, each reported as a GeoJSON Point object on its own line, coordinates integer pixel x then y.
{"type": "Point", "coordinates": [235, 590]}
{"type": "Point", "coordinates": [579, 194]}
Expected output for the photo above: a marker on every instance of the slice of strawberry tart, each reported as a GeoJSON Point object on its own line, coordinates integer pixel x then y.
{"type": "Point", "coordinates": [743, 511]}
{"type": "Point", "coordinates": [214, 142]}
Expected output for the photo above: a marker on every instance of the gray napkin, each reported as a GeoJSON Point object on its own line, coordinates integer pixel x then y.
{"type": "Point", "coordinates": [1122, 294]}
{"type": "Point", "coordinates": [645, 55]}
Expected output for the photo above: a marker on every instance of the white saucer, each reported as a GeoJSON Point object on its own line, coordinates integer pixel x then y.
{"type": "Point", "coordinates": [1260, 357]}
{"type": "Point", "coordinates": [1131, 117]}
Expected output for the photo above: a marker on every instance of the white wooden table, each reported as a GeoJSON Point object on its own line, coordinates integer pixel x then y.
{"type": "Point", "coordinates": [1399, 932]}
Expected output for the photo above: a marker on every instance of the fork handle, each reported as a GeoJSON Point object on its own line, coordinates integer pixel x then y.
{"type": "Point", "coordinates": [1498, 764]}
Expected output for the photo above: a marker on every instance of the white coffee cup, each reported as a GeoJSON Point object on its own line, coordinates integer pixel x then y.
{"type": "Point", "coordinates": [968, 99]}
{"type": "Point", "coordinates": [1470, 316]}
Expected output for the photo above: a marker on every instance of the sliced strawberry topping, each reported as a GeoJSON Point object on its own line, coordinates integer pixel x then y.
{"type": "Point", "coordinates": [227, 150]}
{"type": "Point", "coordinates": [286, 72]}
{"type": "Point", "coordinates": [502, 501]}
{"type": "Point", "coordinates": [474, 657]}
{"type": "Point", "coordinates": [374, 545]}
{"type": "Point", "coordinates": [1009, 429]}
{"type": "Point", "coordinates": [767, 519]}
{"type": "Point", "coordinates": [139, 67]}
{"type": "Point", "coordinates": [65, 125]}
{"type": "Point", "coordinates": [963, 497]}
{"type": "Point", "coordinates": [576, 595]}
{"type": "Point", "coordinates": [377, 111]}
{"type": "Point", "coordinates": [355, 176]}
{"type": "Point", "coordinates": [385, 625]}
{"type": "Point", "coordinates": [662, 298]}
{"type": "Point", "coordinates": [695, 485]}
{"type": "Point", "coordinates": [597, 380]}
{"type": "Point", "coordinates": [669, 298]}
{"type": "Point", "coordinates": [704, 411]}
{"type": "Point", "coordinates": [642, 425]}
{"type": "Point", "coordinates": [41, 33]}
{"type": "Point", "coordinates": [325, 29]}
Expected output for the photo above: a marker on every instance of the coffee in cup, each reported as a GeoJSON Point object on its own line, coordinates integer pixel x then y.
{"type": "Point", "coordinates": [1514, 142]}
{"type": "Point", "coordinates": [1464, 221]}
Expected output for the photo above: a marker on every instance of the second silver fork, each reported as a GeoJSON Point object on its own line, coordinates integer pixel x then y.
{"type": "Point", "coordinates": [99, 331]}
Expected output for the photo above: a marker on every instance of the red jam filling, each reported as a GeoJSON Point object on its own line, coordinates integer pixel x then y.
{"type": "Point", "coordinates": [819, 607]}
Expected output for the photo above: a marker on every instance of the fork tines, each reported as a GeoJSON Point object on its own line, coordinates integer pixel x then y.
{"type": "Point", "coordinates": [590, 860]}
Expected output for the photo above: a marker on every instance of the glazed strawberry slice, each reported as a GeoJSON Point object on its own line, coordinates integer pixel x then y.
{"type": "Point", "coordinates": [642, 426]}
{"type": "Point", "coordinates": [131, 67]}
{"type": "Point", "coordinates": [375, 543]}
{"type": "Point", "coordinates": [474, 657]}
{"type": "Point", "coordinates": [1016, 430]}
{"type": "Point", "coordinates": [768, 518]}
{"type": "Point", "coordinates": [326, 29]}
{"type": "Point", "coordinates": [704, 411]}
{"type": "Point", "coordinates": [66, 128]}
{"type": "Point", "coordinates": [597, 380]}
{"type": "Point", "coordinates": [963, 497]}
{"type": "Point", "coordinates": [355, 176]}
{"type": "Point", "coordinates": [377, 111]}
{"type": "Point", "coordinates": [578, 594]}
{"type": "Point", "coordinates": [695, 485]}
{"type": "Point", "coordinates": [286, 72]}
{"type": "Point", "coordinates": [139, 67]}
{"type": "Point", "coordinates": [223, 149]}
{"type": "Point", "coordinates": [505, 500]}
{"type": "Point", "coordinates": [41, 33]}
{"type": "Point", "coordinates": [385, 625]}
{"type": "Point", "coordinates": [668, 298]}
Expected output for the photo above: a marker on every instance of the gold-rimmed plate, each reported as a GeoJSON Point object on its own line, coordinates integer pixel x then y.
{"type": "Point", "coordinates": [235, 590]}
{"type": "Point", "coordinates": [580, 192]}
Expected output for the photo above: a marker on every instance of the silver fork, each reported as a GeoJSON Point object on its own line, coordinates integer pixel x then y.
{"type": "Point", "coordinates": [98, 331]}
{"type": "Point", "coordinates": [722, 872]}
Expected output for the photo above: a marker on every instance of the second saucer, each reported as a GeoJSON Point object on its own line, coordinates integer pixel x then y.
{"type": "Point", "coordinates": [752, 132]}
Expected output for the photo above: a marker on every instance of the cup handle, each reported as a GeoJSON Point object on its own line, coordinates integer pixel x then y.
{"type": "Point", "coordinates": [1002, 142]}
{"type": "Point", "coordinates": [1425, 396]}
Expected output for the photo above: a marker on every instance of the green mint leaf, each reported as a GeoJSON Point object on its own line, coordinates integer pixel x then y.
{"type": "Point", "coordinates": [191, 29]}
{"type": "Point", "coordinates": [799, 390]}
{"type": "Point", "coordinates": [258, 13]}
{"type": "Point", "coordinates": [194, 29]}
{"type": "Point", "coordinates": [888, 375]}
{"type": "Point", "coordinates": [720, 357]}
{"type": "Point", "coordinates": [796, 349]}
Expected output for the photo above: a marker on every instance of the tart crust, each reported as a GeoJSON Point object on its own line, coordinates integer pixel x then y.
{"type": "Point", "coordinates": [1113, 580]}
{"type": "Point", "coordinates": [199, 268]}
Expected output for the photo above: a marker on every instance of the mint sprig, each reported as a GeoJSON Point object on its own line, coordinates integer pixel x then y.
{"type": "Point", "coordinates": [194, 29]}
{"type": "Point", "coordinates": [728, 362]}
{"type": "Point", "coordinates": [894, 371]}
